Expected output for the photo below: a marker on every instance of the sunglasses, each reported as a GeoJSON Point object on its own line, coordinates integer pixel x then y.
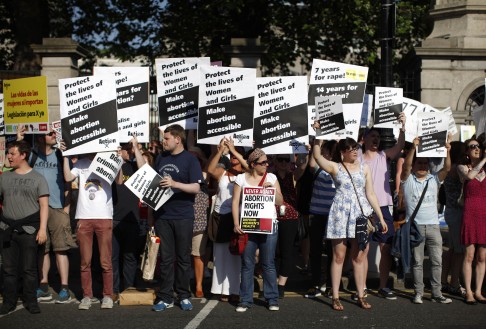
{"type": "Point", "coordinates": [474, 146]}
{"type": "Point", "coordinates": [283, 159]}
{"type": "Point", "coordinates": [52, 133]}
{"type": "Point", "coordinates": [263, 163]}
{"type": "Point", "coordinates": [353, 149]}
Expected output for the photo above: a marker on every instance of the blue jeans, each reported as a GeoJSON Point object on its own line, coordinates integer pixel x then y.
{"type": "Point", "coordinates": [433, 241]}
{"type": "Point", "coordinates": [267, 244]}
{"type": "Point", "coordinates": [175, 247]}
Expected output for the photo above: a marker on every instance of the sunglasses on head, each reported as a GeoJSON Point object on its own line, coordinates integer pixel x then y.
{"type": "Point", "coordinates": [283, 159]}
{"type": "Point", "coordinates": [52, 133]}
{"type": "Point", "coordinates": [263, 163]}
{"type": "Point", "coordinates": [473, 146]}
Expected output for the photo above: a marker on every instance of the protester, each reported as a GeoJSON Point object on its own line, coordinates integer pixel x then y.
{"type": "Point", "coordinates": [126, 222]}
{"type": "Point", "coordinates": [174, 220]}
{"type": "Point", "coordinates": [266, 243]}
{"type": "Point", "coordinates": [453, 217]}
{"type": "Point", "coordinates": [378, 162]}
{"type": "Point", "coordinates": [473, 229]}
{"type": "Point", "coordinates": [323, 192]}
{"type": "Point", "coordinates": [47, 160]}
{"type": "Point", "coordinates": [24, 224]}
{"type": "Point", "coordinates": [415, 179]}
{"type": "Point", "coordinates": [226, 267]}
{"type": "Point", "coordinates": [94, 213]}
{"type": "Point", "coordinates": [345, 209]}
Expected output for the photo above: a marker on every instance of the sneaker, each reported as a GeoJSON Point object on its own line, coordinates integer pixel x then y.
{"type": "Point", "coordinates": [33, 308]}
{"type": "Point", "coordinates": [6, 309]}
{"type": "Point", "coordinates": [441, 300]}
{"type": "Point", "coordinates": [43, 296]}
{"type": "Point", "coordinates": [242, 308]}
{"type": "Point", "coordinates": [418, 299]}
{"type": "Point", "coordinates": [186, 305]}
{"type": "Point", "coordinates": [387, 293]}
{"type": "Point", "coordinates": [313, 292]}
{"type": "Point", "coordinates": [63, 297]}
{"type": "Point", "coordinates": [106, 303]}
{"type": "Point", "coordinates": [94, 300]}
{"type": "Point", "coordinates": [85, 304]}
{"type": "Point", "coordinates": [273, 307]}
{"type": "Point", "coordinates": [161, 306]}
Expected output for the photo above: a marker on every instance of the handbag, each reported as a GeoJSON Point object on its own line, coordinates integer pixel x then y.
{"type": "Point", "coordinates": [149, 256]}
{"type": "Point", "coordinates": [238, 242]}
{"type": "Point", "coordinates": [220, 227]}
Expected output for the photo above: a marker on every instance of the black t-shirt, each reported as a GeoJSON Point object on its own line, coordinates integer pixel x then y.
{"type": "Point", "coordinates": [125, 203]}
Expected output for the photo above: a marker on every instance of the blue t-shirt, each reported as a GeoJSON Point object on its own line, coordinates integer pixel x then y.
{"type": "Point", "coordinates": [183, 168]}
{"type": "Point", "coordinates": [49, 167]}
{"type": "Point", "coordinates": [322, 194]}
{"type": "Point", "coordinates": [412, 190]}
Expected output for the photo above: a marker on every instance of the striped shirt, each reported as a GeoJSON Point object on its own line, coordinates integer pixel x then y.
{"type": "Point", "coordinates": [322, 193]}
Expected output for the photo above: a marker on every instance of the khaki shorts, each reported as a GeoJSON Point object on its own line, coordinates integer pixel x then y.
{"type": "Point", "coordinates": [199, 242]}
{"type": "Point", "coordinates": [59, 231]}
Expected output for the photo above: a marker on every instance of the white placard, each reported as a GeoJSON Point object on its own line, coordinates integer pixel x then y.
{"type": "Point", "coordinates": [132, 98]}
{"type": "Point", "coordinates": [388, 106]}
{"type": "Point", "coordinates": [2, 120]}
{"type": "Point", "coordinates": [339, 79]}
{"type": "Point", "coordinates": [280, 116]}
{"type": "Point", "coordinates": [144, 183]}
{"type": "Point", "coordinates": [106, 165]}
{"type": "Point", "coordinates": [433, 134]}
{"type": "Point", "coordinates": [257, 210]}
{"type": "Point", "coordinates": [329, 110]}
{"type": "Point", "coordinates": [467, 132]}
{"type": "Point", "coordinates": [479, 117]}
{"type": "Point", "coordinates": [88, 115]}
{"type": "Point", "coordinates": [226, 97]}
{"type": "Point", "coordinates": [178, 81]}
{"type": "Point", "coordinates": [411, 108]}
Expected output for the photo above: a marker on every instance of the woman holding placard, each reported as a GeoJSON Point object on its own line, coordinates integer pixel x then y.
{"type": "Point", "coordinates": [354, 194]}
{"type": "Point", "coordinates": [473, 230]}
{"type": "Point", "coordinates": [266, 243]}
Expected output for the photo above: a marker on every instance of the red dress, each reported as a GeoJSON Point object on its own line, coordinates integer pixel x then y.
{"type": "Point", "coordinates": [473, 230]}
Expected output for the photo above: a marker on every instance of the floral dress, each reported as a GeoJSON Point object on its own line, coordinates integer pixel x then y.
{"type": "Point", "coordinates": [345, 207]}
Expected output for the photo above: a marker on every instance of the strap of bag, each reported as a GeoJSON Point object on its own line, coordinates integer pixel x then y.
{"type": "Point", "coordinates": [263, 179]}
{"type": "Point", "coordinates": [412, 217]}
{"type": "Point", "coordinates": [354, 187]}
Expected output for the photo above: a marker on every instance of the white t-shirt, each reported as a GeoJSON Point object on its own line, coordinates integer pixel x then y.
{"type": "Point", "coordinates": [95, 199]}
{"type": "Point", "coordinates": [241, 181]}
{"type": "Point", "coordinates": [224, 198]}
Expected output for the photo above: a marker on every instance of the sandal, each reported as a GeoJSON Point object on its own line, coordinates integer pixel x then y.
{"type": "Point", "coordinates": [363, 303]}
{"type": "Point", "coordinates": [336, 305]}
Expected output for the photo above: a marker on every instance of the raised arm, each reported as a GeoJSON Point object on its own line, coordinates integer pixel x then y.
{"type": "Point", "coordinates": [138, 155]}
{"type": "Point", "coordinates": [467, 174]}
{"type": "Point", "coordinates": [407, 165]}
{"type": "Point", "coordinates": [328, 166]}
{"type": "Point", "coordinates": [301, 164]}
{"type": "Point", "coordinates": [213, 169]}
{"type": "Point", "coordinates": [394, 152]}
{"type": "Point", "coordinates": [447, 163]}
{"type": "Point", "coordinates": [230, 143]}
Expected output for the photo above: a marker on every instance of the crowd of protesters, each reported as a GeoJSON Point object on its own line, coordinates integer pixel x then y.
{"type": "Point", "coordinates": [319, 198]}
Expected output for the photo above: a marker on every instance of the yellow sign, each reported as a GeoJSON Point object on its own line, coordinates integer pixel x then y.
{"type": "Point", "coordinates": [25, 102]}
{"type": "Point", "coordinates": [353, 74]}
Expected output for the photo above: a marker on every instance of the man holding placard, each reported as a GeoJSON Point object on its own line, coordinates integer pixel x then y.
{"type": "Point", "coordinates": [174, 220]}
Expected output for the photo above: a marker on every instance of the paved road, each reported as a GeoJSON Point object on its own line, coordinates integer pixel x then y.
{"type": "Point", "coordinates": [295, 312]}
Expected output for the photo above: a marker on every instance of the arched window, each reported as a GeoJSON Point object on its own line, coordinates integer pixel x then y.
{"type": "Point", "coordinates": [475, 99]}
